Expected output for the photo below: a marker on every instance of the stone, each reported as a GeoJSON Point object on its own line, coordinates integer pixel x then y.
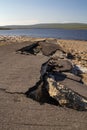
{"type": "Point", "coordinates": [76, 86]}
{"type": "Point", "coordinates": [70, 56]}
{"type": "Point", "coordinates": [51, 41]}
{"type": "Point", "coordinates": [73, 77]}
{"type": "Point", "coordinates": [59, 54]}
{"type": "Point", "coordinates": [31, 49]}
{"type": "Point", "coordinates": [59, 83]}
{"type": "Point", "coordinates": [65, 96]}
{"type": "Point", "coordinates": [55, 64]}
{"type": "Point", "coordinates": [78, 70]}
{"type": "Point", "coordinates": [58, 86]}
{"type": "Point", "coordinates": [46, 48]}
{"type": "Point", "coordinates": [49, 48]}
{"type": "Point", "coordinates": [49, 88]}
{"type": "Point", "coordinates": [84, 78]}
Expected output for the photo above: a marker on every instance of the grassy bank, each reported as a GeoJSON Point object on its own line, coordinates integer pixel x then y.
{"type": "Point", "coordinates": [49, 26]}
{"type": "Point", "coordinates": [3, 28]}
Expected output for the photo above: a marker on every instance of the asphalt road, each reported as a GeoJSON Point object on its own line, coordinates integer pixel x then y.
{"type": "Point", "coordinates": [17, 74]}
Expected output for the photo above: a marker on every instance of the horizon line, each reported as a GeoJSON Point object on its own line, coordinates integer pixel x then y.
{"type": "Point", "coordinates": [43, 23]}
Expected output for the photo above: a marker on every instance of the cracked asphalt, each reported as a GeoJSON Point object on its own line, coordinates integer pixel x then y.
{"type": "Point", "coordinates": [17, 74]}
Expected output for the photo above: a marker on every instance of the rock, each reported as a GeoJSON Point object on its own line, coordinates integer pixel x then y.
{"type": "Point", "coordinates": [31, 49]}
{"type": "Point", "coordinates": [76, 86]}
{"type": "Point", "coordinates": [84, 78]}
{"type": "Point", "coordinates": [52, 41]}
{"type": "Point", "coordinates": [70, 56]}
{"type": "Point", "coordinates": [65, 96]}
{"type": "Point", "coordinates": [73, 77]}
{"type": "Point", "coordinates": [49, 48]}
{"type": "Point", "coordinates": [59, 83]}
{"type": "Point", "coordinates": [46, 48]}
{"type": "Point", "coordinates": [59, 54]}
{"type": "Point", "coordinates": [77, 69]}
{"type": "Point", "coordinates": [55, 64]}
{"type": "Point", "coordinates": [49, 88]}
{"type": "Point", "coordinates": [59, 87]}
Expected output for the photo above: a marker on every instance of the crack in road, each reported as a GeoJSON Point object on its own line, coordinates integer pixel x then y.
{"type": "Point", "coordinates": [4, 90]}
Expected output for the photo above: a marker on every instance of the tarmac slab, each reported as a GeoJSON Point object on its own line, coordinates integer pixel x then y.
{"type": "Point", "coordinates": [18, 73]}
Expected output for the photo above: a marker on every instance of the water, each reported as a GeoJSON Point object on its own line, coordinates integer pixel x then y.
{"type": "Point", "coordinates": [51, 33]}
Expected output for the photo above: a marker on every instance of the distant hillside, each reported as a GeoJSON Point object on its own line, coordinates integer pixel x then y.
{"type": "Point", "coordinates": [62, 26]}
{"type": "Point", "coordinates": [49, 25]}
{"type": "Point", "coordinates": [4, 28]}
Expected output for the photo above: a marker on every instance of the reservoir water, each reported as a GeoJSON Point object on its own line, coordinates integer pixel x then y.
{"type": "Point", "coordinates": [49, 33]}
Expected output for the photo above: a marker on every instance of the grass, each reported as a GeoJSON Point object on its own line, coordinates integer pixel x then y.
{"type": "Point", "coordinates": [3, 28]}
{"type": "Point", "coordinates": [62, 26]}
{"type": "Point", "coordinates": [48, 25]}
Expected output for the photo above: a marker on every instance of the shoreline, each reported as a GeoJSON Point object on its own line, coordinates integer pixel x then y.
{"type": "Point", "coordinates": [25, 38]}
{"type": "Point", "coordinates": [68, 34]}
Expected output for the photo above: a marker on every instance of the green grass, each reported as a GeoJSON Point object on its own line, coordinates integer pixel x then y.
{"type": "Point", "coordinates": [48, 25]}
{"type": "Point", "coordinates": [2, 28]}
{"type": "Point", "coordinates": [62, 26]}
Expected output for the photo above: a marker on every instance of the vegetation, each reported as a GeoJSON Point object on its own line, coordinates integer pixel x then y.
{"type": "Point", "coordinates": [3, 28]}
{"type": "Point", "coordinates": [48, 25]}
{"type": "Point", "coordinates": [62, 26]}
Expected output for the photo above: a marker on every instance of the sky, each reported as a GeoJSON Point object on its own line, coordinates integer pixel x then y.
{"type": "Point", "coordinates": [27, 12]}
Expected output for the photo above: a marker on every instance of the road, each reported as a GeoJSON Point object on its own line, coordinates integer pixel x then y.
{"type": "Point", "coordinates": [17, 112]}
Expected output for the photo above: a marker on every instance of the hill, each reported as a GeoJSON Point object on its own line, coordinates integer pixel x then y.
{"type": "Point", "coordinates": [48, 25]}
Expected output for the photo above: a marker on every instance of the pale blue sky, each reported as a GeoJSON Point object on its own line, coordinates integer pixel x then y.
{"type": "Point", "coordinates": [15, 12]}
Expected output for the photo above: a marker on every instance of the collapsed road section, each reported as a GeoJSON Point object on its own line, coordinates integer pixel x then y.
{"type": "Point", "coordinates": [59, 82]}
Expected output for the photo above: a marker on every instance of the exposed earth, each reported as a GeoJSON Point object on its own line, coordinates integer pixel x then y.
{"type": "Point", "coordinates": [20, 72]}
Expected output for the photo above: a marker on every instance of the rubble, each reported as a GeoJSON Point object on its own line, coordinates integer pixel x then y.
{"type": "Point", "coordinates": [45, 47]}
{"type": "Point", "coordinates": [49, 88]}
{"type": "Point", "coordinates": [59, 83]}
